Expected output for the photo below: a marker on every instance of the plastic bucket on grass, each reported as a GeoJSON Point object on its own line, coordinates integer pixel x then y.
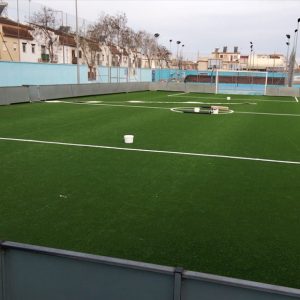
{"type": "Point", "coordinates": [215, 111]}
{"type": "Point", "coordinates": [128, 138]}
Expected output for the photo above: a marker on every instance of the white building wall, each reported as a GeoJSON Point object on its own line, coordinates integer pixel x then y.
{"type": "Point", "coordinates": [266, 61]}
{"type": "Point", "coordinates": [32, 51]}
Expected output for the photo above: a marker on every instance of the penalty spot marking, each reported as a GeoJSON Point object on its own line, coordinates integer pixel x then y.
{"type": "Point", "coordinates": [154, 151]}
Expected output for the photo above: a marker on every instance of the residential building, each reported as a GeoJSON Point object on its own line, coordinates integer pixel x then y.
{"type": "Point", "coordinates": [15, 40]}
{"type": "Point", "coordinates": [267, 62]}
{"type": "Point", "coordinates": [226, 60]}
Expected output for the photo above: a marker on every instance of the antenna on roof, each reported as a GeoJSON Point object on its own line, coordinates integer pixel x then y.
{"type": "Point", "coordinates": [3, 9]}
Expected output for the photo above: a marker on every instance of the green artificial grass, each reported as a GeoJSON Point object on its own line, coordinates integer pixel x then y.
{"type": "Point", "coordinates": [222, 216]}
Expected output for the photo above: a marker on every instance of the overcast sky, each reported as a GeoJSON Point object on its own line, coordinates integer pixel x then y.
{"type": "Point", "coordinates": [201, 25]}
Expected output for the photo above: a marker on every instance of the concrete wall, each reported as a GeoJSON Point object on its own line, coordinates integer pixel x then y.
{"type": "Point", "coordinates": [10, 95]}
{"type": "Point", "coordinates": [32, 272]}
{"type": "Point", "coordinates": [283, 91]}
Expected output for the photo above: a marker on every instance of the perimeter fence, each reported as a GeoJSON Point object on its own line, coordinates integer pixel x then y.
{"type": "Point", "coordinates": [32, 272]}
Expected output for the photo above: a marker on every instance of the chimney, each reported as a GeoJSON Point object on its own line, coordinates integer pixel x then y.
{"type": "Point", "coordinates": [225, 49]}
{"type": "Point", "coordinates": [235, 49]}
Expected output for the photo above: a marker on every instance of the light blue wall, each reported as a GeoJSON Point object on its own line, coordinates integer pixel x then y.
{"type": "Point", "coordinates": [115, 74]}
{"type": "Point", "coordinates": [17, 74]}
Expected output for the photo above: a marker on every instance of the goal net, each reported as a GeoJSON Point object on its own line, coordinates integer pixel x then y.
{"type": "Point", "coordinates": [241, 82]}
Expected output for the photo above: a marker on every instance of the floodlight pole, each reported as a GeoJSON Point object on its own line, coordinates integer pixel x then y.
{"type": "Point", "coordinates": [156, 36]}
{"type": "Point", "coordinates": [177, 57]}
{"type": "Point", "coordinates": [288, 51]}
{"type": "Point", "coordinates": [18, 18]}
{"type": "Point", "coordinates": [293, 57]}
{"type": "Point", "coordinates": [297, 38]}
{"type": "Point", "coordinates": [29, 17]}
{"type": "Point", "coordinates": [77, 43]}
{"type": "Point", "coordinates": [62, 27]}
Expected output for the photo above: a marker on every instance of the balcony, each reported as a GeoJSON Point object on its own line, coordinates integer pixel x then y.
{"type": "Point", "coordinates": [45, 57]}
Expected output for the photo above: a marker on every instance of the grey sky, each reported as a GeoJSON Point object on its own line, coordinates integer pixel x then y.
{"type": "Point", "coordinates": [201, 25]}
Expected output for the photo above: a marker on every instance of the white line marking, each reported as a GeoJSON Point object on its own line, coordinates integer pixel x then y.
{"type": "Point", "coordinates": [172, 95]}
{"type": "Point", "coordinates": [218, 98]}
{"type": "Point", "coordinates": [154, 151]}
{"type": "Point", "coordinates": [180, 110]}
{"type": "Point", "coordinates": [168, 108]}
{"type": "Point", "coordinates": [296, 99]}
{"type": "Point", "coordinates": [103, 104]}
{"type": "Point", "coordinates": [268, 114]}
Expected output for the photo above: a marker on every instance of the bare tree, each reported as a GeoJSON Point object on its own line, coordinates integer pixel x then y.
{"type": "Point", "coordinates": [148, 46]}
{"type": "Point", "coordinates": [44, 23]}
{"type": "Point", "coordinates": [114, 31]}
{"type": "Point", "coordinates": [163, 55]}
{"type": "Point", "coordinates": [90, 49]}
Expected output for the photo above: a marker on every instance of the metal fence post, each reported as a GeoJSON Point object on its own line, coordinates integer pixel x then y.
{"type": "Point", "coordinates": [2, 287]}
{"type": "Point", "coordinates": [177, 283]}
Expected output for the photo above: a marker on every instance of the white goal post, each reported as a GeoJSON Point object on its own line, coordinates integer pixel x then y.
{"type": "Point", "coordinates": [241, 82]}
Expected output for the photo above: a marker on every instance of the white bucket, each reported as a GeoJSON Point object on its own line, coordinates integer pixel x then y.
{"type": "Point", "coordinates": [215, 111]}
{"type": "Point", "coordinates": [228, 98]}
{"type": "Point", "coordinates": [128, 138]}
{"type": "Point", "coordinates": [196, 109]}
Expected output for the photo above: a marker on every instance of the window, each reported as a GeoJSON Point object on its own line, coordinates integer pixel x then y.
{"type": "Point", "coordinates": [24, 47]}
{"type": "Point", "coordinates": [98, 59]}
{"type": "Point", "coordinates": [43, 49]}
{"type": "Point", "coordinates": [33, 48]}
{"type": "Point", "coordinates": [80, 54]}
{"type": "Point", "coordinates": [15, 46]}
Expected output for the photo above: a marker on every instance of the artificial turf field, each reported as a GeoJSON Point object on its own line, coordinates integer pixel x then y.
{"type": "Point", "coordinates": [198, 203]}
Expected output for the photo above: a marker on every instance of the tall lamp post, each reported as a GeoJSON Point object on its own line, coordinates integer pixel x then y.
{"type": "Point", "coordinates": [298, 21]}
{"type": "Point", "coordinates": [77, 43]}
{"type": "Point", "coordinates": [156, 35]}
{"type": "Point", "coordinates": [62, 28]}
{"type": "Point", "coordinates": [170, 41]}
{"type": "Point", "coordinates": [293, 57]}
{"type": "Point", "coordinates": [182, 46]}
{"type": "Point", "coordinates": [251, 54]}
{"type": "Point", "coordinates": [288, 50]}
{"type": "Point", "coordinates": [178, 43]}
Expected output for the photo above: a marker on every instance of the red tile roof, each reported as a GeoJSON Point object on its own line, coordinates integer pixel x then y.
{"type": "Point", "coordinates": [67, 40]}
{"type": "Point", "coordinates": [10, 22]}
{"type": "Point", "coordinates": [17, 33]}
